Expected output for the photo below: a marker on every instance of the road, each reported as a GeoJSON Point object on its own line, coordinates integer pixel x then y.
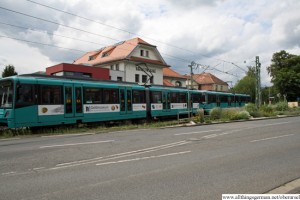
{"type": "Point", "coordinates": [198, 162]}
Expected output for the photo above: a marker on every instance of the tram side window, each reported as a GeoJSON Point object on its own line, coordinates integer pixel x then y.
{"type": "Point", "coordinates": [51, 94]}
{"type": "Point", "coordinates": [25, 95]}
{"type": "Point", "coordinates": [110, 96]}
{"type": "Point", "coordinates": [196, 98]}
{"type": "Point", "coordinates": [92, 95]}
{"type": "Point", "coordinates": [178, 97]}
{"type": "Point", "coordinates": [202, 98]}
{"type": "Point", "coordinates": [156, 97]}
{"type": "Point", "coordinates": [138, 96]}
{"type": "Point", "coordinates": [223, 99]}
{"type": "Point", "coordinates": [182, 98]}
{"type": "Point", "coordinates": [212, 98]}
{"type": "Point", "coordinates": [6, 94]}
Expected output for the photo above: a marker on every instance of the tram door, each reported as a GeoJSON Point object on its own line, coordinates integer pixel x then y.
{"type": "Point", "coordinates": [166, 102]}
{"type": "Point", "coordinates": [125, 97]}
{"type": "Point", "coordinates": [73, 100]}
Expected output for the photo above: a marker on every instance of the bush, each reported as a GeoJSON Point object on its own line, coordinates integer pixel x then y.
{"type": "Point", "coordinates": [267, 111]}
{"type": "Point", "coordinates": [200, 115]}
{"type": "Point", "coordinates": [252, 110]}
{"type": "Point", "coordinates": [215, 113]}
{"type": "Point", "coordinates": [243, 115]}
{"type": "Point", "coordinates": [229, 114]}
{"type": "Point", "coordinates": [281, 106]}
{"type": "Point", "coordinates": [256, 114]}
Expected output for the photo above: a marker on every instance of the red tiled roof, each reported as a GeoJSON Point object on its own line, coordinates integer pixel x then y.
{"type": "Point", "coordinates": [171, 73]}
{"type": "Point", "coordinates": [207, 78]}
{"type": "Point", "coordinates": [157, 62]}
{"type": "Point", "coordinates": [167, 83]}
{"type": "Point", "coordinates": [113, 53]}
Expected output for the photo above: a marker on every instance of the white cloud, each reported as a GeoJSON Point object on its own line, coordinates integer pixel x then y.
{"type": "Point", "coordinates": [206, 31]}
{"type": "Point", "coordinates": [25, 59]}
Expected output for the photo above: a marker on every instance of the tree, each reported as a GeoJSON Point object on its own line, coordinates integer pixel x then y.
{"type": "Point", "coordinates": [285, 73]}
{"type": "Point", "coordinates": [247, 84]}
{"type": "Point", "coordinates": [9, 70]}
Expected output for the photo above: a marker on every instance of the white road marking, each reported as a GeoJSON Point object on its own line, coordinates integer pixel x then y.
{"type": "Point", "coordinates": [144, 158]}
{"type": "Point", "coordinates": [270, 138]}
{"type": "Point", "coordinates": [215, 130]}
{"type": "Point", "coordinates": [74, 144]}
{"type": "Point", "coordinates": [8, 173]}
{"type": "Point", "coordinates": [210, 136]}
{"type": "Point", "coordinates": [38, 168]}
{"type": "Point", "coordinates": [65, 135]}
{"type": "Point", "coordinates": [8, 139]}
{"type": "Point", "coordinates": [120, 155]}
{"type": "Point", "coordinates": [275, 124]}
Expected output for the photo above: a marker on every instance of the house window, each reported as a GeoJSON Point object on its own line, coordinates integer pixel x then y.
{"type": "Point", "coordinates": [119, 78]}
{"type": "Point", "coordinates": [112, 67]}
{"type": "Point", "coordinates": [137, 78]}
{"type": "Point", "coordinates": [105, 54]}
{"type": "Point", "coordinates": [144, 78]}
{"type": "Point", "coordinates": [117, 67]}
{"type": "Point", "coordinates": [144, 53]}
{"type": "Point", "coordinates": [151, 79]}
{"type": "Point", "coordinates": [178, 83]}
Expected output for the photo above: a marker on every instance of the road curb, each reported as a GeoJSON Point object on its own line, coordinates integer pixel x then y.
{"type": "Point", "coordinates": [225, 122]}
{"type": "Point", "coordinates": [288, 188]}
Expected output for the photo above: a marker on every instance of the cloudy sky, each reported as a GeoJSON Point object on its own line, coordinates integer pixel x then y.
{"type": "Point", "coordinates": [225, 35]}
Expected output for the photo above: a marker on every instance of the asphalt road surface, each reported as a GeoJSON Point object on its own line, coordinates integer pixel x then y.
{"type": "Point", "coordinates": [199, 162]}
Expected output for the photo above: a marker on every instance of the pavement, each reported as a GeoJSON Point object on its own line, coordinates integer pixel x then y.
{"type": "Point", "coordinates": [292, 187]}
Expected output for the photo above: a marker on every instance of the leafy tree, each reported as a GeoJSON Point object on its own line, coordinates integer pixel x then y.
{"type": "Point", "coordinates": [285, 73]}
{"type": "Point", "coordinates": [9, 70]}
{"type": "Point", "coordinates": [247, 84]}
{"type": "Point", "coordinates": [266, 91]}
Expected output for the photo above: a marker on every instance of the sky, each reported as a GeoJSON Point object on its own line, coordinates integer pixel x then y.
{"type": "Point", "coordinates": [222, 37]}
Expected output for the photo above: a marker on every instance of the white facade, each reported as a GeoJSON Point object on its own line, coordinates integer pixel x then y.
{"type": "Point", "coordinates": [178, 82]}
{"type": "Point", "coordinates": [134, 71]}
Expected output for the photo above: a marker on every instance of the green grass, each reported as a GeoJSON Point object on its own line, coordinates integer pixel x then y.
{"type": "Point", "coordinates": [83, 129]}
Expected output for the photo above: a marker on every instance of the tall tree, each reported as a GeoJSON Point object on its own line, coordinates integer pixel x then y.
{"type": "Point", "coordinates": [247, 84]}
{"type": "Point", "coordinates": [285, 73]}
{"type": "Point", "coordinates": [9, 70]}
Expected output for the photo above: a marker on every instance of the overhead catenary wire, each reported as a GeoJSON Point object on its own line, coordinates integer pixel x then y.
{"type": "Point", "coordinates": [77, 29]}
{"type": "Point", "coordinates": [123, 30]}
{"type": "Point", "coordinates": [39, 43]}
{"type": "Point", "coordinates": [27, 28]}
{"type": "Point", "coordinates": [52, 22]}
{"type": "Point", "coordinates": [110, 26]}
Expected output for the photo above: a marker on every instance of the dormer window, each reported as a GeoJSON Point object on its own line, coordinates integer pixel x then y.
{"type": "Point", "coordinates": [105, 54]}
{"type": "Point", "coordinates": [144, 53]}
{"type": "Point", "coordinates": [91, 58]}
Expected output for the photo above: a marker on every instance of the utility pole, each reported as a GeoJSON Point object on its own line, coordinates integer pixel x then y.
{"type": "Point", "coordinates": [258, 83]}
{"type": "Point", "coordinates": [191, 66]}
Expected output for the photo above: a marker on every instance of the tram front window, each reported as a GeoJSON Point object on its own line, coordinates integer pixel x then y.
{"type": "Point", "coordinates": [6, 94]}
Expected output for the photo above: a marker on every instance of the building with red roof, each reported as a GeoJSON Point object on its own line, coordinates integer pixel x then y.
{"type": "Point", "coordinates": [207, 81]}
{"type": "Point", "coordinates": [73, 70]}
{"type": "Point", "coordinates": [134, 60]}
{"type": "Point", "coordinates": [172, 78]}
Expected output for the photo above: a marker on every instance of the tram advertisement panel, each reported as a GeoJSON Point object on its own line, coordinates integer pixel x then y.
{"type": "Point", "coordinates": [51, 110]}
{"type": "Point", "coordinates": [100, 108]}
{"type": "Point", "coordinates": [139, 107]}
